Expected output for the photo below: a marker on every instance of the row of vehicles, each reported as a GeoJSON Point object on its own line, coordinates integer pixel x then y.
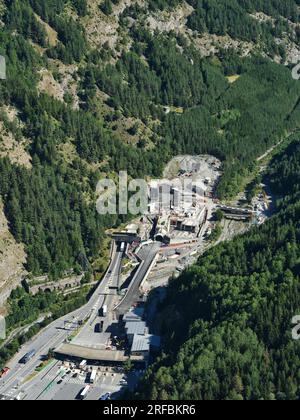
{"type": "Point", "coordinates": [92, 379]}
{"type": "Point", "coordinates": [93, 374]}
{"type": "Point", "coordinates": [102, 313]}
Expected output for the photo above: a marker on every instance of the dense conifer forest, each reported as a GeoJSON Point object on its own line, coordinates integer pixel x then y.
{"type": "Point", "coordinates": [158, 71]}
{"type": "Point", "coordinates": [233, 339]}
{"type": "Point", "coordinates": [228, 320]}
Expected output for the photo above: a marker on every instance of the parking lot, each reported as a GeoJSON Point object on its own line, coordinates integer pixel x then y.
{"type": "Point", "coordinates": [65, 381]}
{"type": "Point", "coordinates": [71, 388]}
{"type": "Point", "coordinates": [68, 384]}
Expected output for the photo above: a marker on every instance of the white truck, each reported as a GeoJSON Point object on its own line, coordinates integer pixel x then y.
{"type": "Point", "coordinates": [104, 310]}
{"type": "Point", "coordinates": [82, 364]}
{"type": "Point", "coordinates": [93, 376]}
{"type": "Point", "coordinates": [84, 392]}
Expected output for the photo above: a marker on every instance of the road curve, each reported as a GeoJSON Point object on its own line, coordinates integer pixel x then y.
{"type": "Point", "coordinates": [53, 334]}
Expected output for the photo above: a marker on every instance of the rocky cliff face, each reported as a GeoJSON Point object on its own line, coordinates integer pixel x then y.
{"type": "Point", "coordinates": [12, 260]}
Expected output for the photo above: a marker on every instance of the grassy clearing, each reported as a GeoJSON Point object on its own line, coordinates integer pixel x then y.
{"type": "Point", "coordinates": [232, 79]}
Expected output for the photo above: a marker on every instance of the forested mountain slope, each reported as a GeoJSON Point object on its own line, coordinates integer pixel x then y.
{"type": "Point", "coordinates": [97, 86]}
{"type": "Point", "coordinates": [228, 320]}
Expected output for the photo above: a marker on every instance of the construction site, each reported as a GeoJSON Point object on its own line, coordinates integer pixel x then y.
{"type": "Point", "coordinates": [181, 205]}
{"type": "Point", "coordinates": [116, 328]}
{"type": "Point", "coordinates": [182, 217]}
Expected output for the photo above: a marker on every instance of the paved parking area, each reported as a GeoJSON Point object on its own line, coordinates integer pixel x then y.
{"type": "Point", "coordinates": [54, 387]}
{"type": "Point", "coordinates": [70, 387]}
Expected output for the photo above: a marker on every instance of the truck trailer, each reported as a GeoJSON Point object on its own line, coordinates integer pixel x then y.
{"type": "Point", "coordinates": [84, 392]}
{"type": "Point", "coordinates": [103, 311]}
{"type": "Point", "coordinates": [93, 376]}
{"type": "Point", "coordinates": [28, 356]}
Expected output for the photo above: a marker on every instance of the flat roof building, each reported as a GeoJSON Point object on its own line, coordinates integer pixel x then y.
{"type": "Point", "coordinates": [134, 315]}
{"type": "Point", "coordinates": [143, 344]}
{"type": "Point", "coordinates": [134, 328]}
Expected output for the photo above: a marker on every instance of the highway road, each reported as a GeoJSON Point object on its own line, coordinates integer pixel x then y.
{"type": "Point", "coordinates": [56, 333]}
{"type": "Point", "coordinates": [59, 331]}
{"type": "Point", "coordinates": [147, 255]}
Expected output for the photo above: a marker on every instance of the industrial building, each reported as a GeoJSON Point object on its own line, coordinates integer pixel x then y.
{"type": "Point", "coordinates": [175, 195]}
{"type": "Point", "coordinates": [190, 221]}
{"type": "Point", "coordinates": [237, 213]}
{"type": "Point", "coordinates": [144, 345]}
{"type": "Point", "coordinates": [140, 341]}
{"type": "Point", "coordinates": [134, 328]}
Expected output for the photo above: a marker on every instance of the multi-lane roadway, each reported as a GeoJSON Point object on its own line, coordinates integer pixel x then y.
{"type": "Point", "coordinates": [56, 333]}
{"type": "Point", "coordinates": [147, 255]}
{"type": "Point", "coordinates": [59, 331]}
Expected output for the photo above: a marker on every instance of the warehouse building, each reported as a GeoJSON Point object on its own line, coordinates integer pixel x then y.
{"type": "Point", "coordinates": [144, 345]}
{"type": "Point", "coordinates": [133, 328]}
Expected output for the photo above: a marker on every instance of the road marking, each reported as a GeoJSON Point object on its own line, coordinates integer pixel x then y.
{"type": "Point", "coordinates": [30, 366]}
{"type": "Point", "coordinates": [58, 325]}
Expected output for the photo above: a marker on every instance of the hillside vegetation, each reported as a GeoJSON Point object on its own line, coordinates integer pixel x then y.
{"type": "Point", "coordinates": [227, 321]}
{"type": "Point", "coordinates": [98, 86]}
{"type": "Point", "coordinates": [88, 108]}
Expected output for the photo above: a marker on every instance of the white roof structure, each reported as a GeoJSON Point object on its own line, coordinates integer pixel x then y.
{"type": "Point", "coordinates": [135, 327]}
{"type": "Point", "coordinates": [142, 343]}
{"type": "Point", "coordinates": [132, 228]}
{"type": "Point", "coordinates": [134, 315]}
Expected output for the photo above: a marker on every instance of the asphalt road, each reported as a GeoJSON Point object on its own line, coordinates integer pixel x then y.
{"type": "Point", "coordinates": [147, 254]}
{"type": "Point", "coordinates": [57, 332]}
{"type": "Point", "coordinates": [54, 334]}
{"type": "Point", "coordinates": [55, 384]}
{"type": "Point", "coordinates": [53, 387]}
